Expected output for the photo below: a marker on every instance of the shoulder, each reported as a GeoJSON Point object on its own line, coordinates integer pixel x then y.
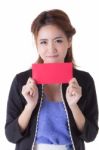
{"type": "Point", "coordinates": [83, 77]}
{"type": "Point", "coordinates": [24, 74]}
{"type": "Point", "coordinates": [22, 77]}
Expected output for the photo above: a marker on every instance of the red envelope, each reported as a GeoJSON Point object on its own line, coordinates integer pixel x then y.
{"type": "Point", "coordinates": [51, 73]}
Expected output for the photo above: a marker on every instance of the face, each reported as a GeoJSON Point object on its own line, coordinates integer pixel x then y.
{"type": "Point", "coordinates": [52, 44]}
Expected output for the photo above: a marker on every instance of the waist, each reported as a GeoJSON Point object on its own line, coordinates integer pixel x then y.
{"type": "Point", "coordinates": [51, 147]}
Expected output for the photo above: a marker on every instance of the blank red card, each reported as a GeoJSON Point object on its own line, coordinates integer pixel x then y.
{"type": "Point", "coordinates": [51, 73]}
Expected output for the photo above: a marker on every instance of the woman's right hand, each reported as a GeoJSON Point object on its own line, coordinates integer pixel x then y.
{"type": "Point", "coordinates": [30, 92]}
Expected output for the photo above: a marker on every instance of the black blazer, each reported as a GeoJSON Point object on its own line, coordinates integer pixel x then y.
{"type": "Point", "coordinates": [16, 104]}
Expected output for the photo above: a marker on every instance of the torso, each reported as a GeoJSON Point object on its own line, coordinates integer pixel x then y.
{"type": "Point", "coordinates": [53, 92]}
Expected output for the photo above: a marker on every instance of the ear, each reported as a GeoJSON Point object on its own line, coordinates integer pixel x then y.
{"type": "Point", "coordinates": [69, 42]}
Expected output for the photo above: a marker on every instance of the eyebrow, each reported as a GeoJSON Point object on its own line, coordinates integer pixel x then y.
{"type": "Point", "coordinates": [58, 37]}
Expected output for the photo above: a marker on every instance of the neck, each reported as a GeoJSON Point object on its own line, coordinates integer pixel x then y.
{"type": "Point", "coordinates": [52, 85]}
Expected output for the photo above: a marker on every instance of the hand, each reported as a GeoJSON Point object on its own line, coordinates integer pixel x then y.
{"type": "Point", "coordinates": [73, 92]}
{"type": "Point", "coordinates": [30, 92]}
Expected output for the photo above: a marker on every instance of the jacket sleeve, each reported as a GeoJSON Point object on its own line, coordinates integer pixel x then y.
{"type": "Point", "coordinates": [91, 113]}
{"type": "Point", "coordinates": [14, 109]}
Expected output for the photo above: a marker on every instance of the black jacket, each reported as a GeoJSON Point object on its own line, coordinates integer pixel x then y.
{"type": "Point", "coordinates": [87, 104]}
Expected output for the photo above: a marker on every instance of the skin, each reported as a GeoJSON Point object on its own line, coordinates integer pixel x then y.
{"type": "Point", "coordinates": [52, 45]}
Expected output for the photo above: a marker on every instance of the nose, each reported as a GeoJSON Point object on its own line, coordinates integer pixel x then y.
{"type": "Point", "coordinates": [52, 48]}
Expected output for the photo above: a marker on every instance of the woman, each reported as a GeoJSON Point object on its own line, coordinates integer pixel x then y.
{"type": "Point", "coordinates": [52, 116]}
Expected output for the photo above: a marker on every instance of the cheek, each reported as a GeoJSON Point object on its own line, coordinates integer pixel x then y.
{"type": "Point", "coordinates": [41, 52]}
{"type": "Point", "coordinates": [64, 53]}
{"type": "Point", "coordinates": [63, 49]}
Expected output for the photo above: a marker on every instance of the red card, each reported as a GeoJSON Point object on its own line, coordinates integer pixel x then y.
{"type": "Point", "coordinates": [51, 73]}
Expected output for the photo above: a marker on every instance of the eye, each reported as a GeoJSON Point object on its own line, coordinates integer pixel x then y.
{"type": "Point", "coordinates": [59, 41]}
{"type": "Point", "coordinates": [43, 42]}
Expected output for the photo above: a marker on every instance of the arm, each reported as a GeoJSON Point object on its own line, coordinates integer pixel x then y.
{"type": "Point", "coordinates": [16, 112]}
{"type": "Point", "coordinates": [25, 117]}
{"type": "Point", "coordinates": [30, 93]}
{"type": "Point", "coordinates": [86, 122]}
{"type": "Point", "coordinates": [90, 129]}
{"type": "Point", "coordinates": [73, 94]}
{"type": "Point", "coordinates": [78, 116]}
{"type": "Point", "coordinates": [14, 108]}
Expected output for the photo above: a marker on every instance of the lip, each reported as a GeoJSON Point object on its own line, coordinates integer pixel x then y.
{"type": "Point", "coordinates": [53, 56]}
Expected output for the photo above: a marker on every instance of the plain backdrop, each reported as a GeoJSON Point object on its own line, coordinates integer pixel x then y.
{"type": "Point", "coordinates": [18, 52]}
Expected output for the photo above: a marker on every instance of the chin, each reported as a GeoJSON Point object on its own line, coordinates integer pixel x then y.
{"type": "Point", "coordinates": [53, 61]}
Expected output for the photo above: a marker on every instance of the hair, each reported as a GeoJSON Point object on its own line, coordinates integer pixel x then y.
{"type": "Point", "coordinates": [60, 19]}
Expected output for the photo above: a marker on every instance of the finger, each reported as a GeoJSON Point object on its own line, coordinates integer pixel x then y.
{"type": "Point", "coordinates": [71, 91]}
{"type": "Point", "coordinates": [73, 86]}
{"type": "Point", "coordinates": [28, 90]}
{"type": "Point", "coordinates": [31, 92]}
{"type": "Point", "coordinates": [31, 81]}
{"type": "Point", "coordinates": [31, 88]}
{"type": "Point", "coordinates": [23, 89]}
{"type": "Point", "coordinates": [74, 83]}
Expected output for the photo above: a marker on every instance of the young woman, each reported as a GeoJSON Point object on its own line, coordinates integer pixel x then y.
{"type": "Point", "coordinates": [52, 116]}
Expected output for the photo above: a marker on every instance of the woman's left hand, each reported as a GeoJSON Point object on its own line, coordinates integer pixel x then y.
{"type": "Point", "coordinates": [73, 92]}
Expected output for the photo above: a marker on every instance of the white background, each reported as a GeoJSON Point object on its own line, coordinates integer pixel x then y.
{"type": "Point", "coordinates": [17, 50]}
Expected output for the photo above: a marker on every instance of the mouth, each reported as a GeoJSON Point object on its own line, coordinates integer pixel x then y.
{"type": "Point", "coordinates": [52, 56]}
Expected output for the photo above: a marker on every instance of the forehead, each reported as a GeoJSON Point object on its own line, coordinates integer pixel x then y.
{"type": "Point", "coordinates": [50, 31]}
